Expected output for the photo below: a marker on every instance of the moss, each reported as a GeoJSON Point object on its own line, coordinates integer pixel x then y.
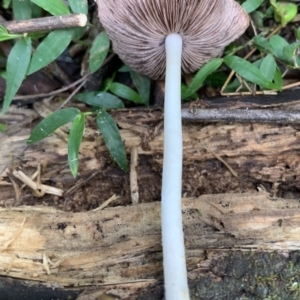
{"type": "Point", "coordinates": [251, 275]}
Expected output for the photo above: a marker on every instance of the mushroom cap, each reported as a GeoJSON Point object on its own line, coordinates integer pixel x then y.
{"type": "Point", "coordinates": [138, 28]}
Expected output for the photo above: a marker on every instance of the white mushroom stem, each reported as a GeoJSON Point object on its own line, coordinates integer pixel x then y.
{"type": "Point", "coordinates": [175, 274]}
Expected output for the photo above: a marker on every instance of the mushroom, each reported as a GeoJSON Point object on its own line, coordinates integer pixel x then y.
{"type": "Point", "coordinates": [161, 38]}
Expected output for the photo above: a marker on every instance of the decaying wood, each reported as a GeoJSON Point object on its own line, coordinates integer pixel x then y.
{"type": "Point", "coordinates": [258, 153]}
{"type": "Point", "coordinates": [122, 245]}
{"type": "Point", "coordinates": [117, 250]}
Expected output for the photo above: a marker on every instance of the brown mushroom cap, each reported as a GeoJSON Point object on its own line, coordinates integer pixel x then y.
{"type": "Point", "coordinates": [138, 29]}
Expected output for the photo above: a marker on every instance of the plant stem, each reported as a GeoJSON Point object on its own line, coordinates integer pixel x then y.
{"type": "Point", "coordinates": [175, 274]}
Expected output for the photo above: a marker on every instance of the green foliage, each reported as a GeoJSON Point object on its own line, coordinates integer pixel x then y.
{"type": "Point", "coordinates": [280, 49]}
{"type": "Point", "coordinates": [264, 70]}
{"type": "Point", "coordinates": [248, 71]}
{"type": "Point", "coordinates": [112, 138]}
{"type": "Point", "coordinates": [142, 84]}
{"type": "Point", "coordinates": [79, 6]}
{"type": "Point", "coordinates": [6, 3]}
{"type": "Point", "coordinates": [251, 5]}
{"type": "Point", "coordinates": [16, 69]}
{"type": "Point", "coordinates": [200, 77]}
{"type": "Point", "coordinates": [125, 92]}
{"type": "Point", "coordinates": [51, 123]}
{"type": "Point", "coordinates": [21, 9]}
{"type": "Point", "coordinates": [2, 127]}
{"type": "Point", "coordinates": [268, 67]}
{"type": "Point", "coordinates": [5, 36]}
{"type": "Point", "coordinates": [56, 120]}
{"type": "Point", "coordinates": [284, 12]}
{"type": "Point", "coordinates": [74, 141]}
{"type": "Point", "coordinates": [50, 49]}
{"type": "Point", "coordinates": [100, 99]}
{"type": "Point", "coordinates": [54, 7]}
{"type": "Point", "coordinates": [98, 51]}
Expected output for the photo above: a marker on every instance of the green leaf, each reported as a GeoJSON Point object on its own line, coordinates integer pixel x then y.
{"type": "Point", "coordinates": [51, 123]}
{"type": "Point", "coordinates": [248, 71]}
{"type": "Point", "coordinates": [78, 33]}
{"type": "Point", "coordinates": [3, 127]}
{"type": "Point", "coordinates": [262, 43]}
{"type": "Point", "coordinates": [201, 75]}
{"type": "Point", "coordinates": [21, 9]}
{"type": "Point", "coordinates": [101, 100]}
{"type": "Point", "coordinates": [289, 52]}
{"type": "Point", "coordinates": [251, 5]}
{"type": "Point", "coordinates": [284, 12]}
{"type": "Point", "coordinates": [184, 88]}
{"type": "Point", "coordinates": [74, 141]}
{"type": "Point", "coordinates": [125, 92]}
{"type": "Point", "coordinates": [258, 18]}
{"type": "Point", "coordinates": [98, 51]}
{"type": "Point", "coordinates": [79, 6]}
{"type": "Point", "coordinates": [4, 35]}
{"type": "Point", "coordinates": [297, 33]}
{"type": "Point", "coordinates": [49, 49]}
{"type": "Point", "coordinates": [124, 68]}
{"type": "Point", "coordinates": [268, 67]}
{"type": "Point", "coordinates": [17, 65]}
{"type": "Point", "coordinates": [142, 84]}
{"type": "Point", "coordinates": [37, 11]}
{"type": "Point", "coordinates": [278, 79]}
{"type": "Point", "coordinates": [112, 138]}
{"type": "Point", "coordinates": [278, 43]}
{"type": "Point", "coordinates": [216, 79]}
{"type": "Point", "coordinates": [54, 7]}
{"type": "Point", "coordinates": [6, 4]}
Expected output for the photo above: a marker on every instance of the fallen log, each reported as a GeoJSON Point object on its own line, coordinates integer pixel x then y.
{"type": "Point", "coordinates": [121, 246]}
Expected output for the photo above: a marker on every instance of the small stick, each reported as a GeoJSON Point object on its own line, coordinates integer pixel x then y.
{"type": "Point", "coordinates": [72, 94]}
{"type": "Point", "coordinates": [264, 92]}
{"type": "Point", "coordinates": [46, 24]}
{"type": "Point", "coordinates": [241, 115]}
{"type": "Point", "coordinates": [134, 188]}
{"type": "Point", "coordinates": [223, 161]}
{"type": "Point", "coordinates": [54, 93]}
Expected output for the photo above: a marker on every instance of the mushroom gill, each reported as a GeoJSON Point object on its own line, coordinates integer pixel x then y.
{"type": "Point", "coordinates": [138, 29]}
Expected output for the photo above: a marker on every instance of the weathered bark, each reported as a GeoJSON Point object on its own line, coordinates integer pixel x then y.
{"type": "Point", "coordinates": [117, 250]}
{"type": "Point", "coordinates": [117, 246]}
{"type": "Point", "coordinates": [264, 154]}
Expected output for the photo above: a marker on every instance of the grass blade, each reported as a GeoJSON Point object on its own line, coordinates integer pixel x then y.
{"type": "Point", "coordinates": [101, 100]}
{"type": "Point", "coordinates": [125, 92]}
{"type": "Point", "coordinates": [248, 71]}
{"type": "Point", "coordinates": [49, 49]}
{"type": "Point", "coordinates": [54, 7]}
{"type": "Point", "coordinates": [74, 142]}
{"type": "Point", "coordinates": [51, 123]}
{"type": "Point", "coordinates": [112, 138]}
{"type": "Point", "coordinates": [251, 5]}
{"type": "Point", "coordinates": [98, 51]}
{"type": "Point", "coordinates": [21, 9]}
{"type": "Point", "coordinates": [202, 74]}
{"type": "Point", "coordinates": [17, 65]}
{"type": "Point", "coordinates": [79, 6]}
{"type": "Point", "coordinates": [142, 84]}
